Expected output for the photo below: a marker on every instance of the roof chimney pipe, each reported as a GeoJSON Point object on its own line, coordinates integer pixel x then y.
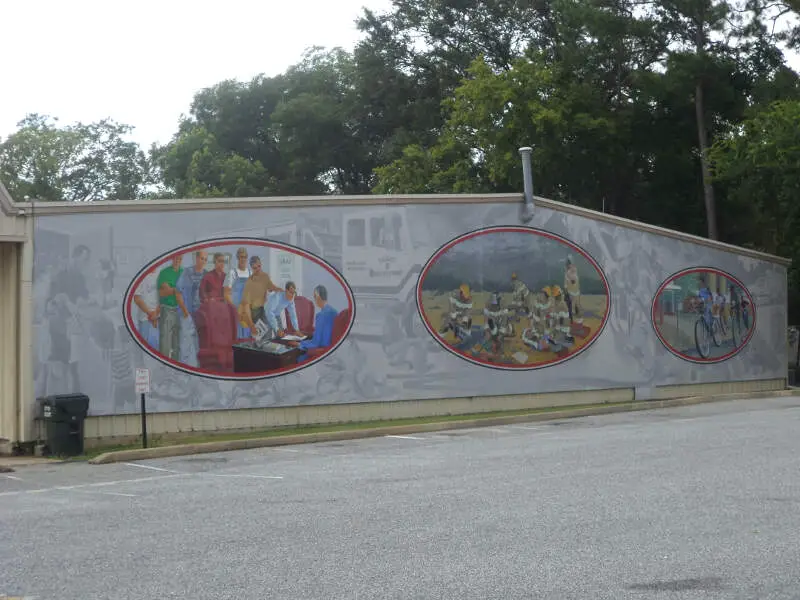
{"type": "Point", "coordinates": [527, 177]}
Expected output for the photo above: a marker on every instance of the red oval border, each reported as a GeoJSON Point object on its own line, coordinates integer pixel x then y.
{"type": "Point", "coordinates": [209, 243]}
{"type": "Point", "coordinates": [686, 357]}
{"type": "Point", "coordinates": [512, 229]}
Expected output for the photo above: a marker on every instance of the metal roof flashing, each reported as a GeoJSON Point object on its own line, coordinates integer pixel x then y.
{"type": "Point", "coordinates": [11, 208]}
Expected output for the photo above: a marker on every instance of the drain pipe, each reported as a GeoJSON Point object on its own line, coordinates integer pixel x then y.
{"type": "Point", "coordinates": [527, 177]}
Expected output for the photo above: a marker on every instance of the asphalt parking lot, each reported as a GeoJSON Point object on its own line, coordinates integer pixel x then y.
{"type": "Point", "coordinates": [695, 502]}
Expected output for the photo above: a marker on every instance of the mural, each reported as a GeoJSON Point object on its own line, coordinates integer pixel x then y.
{"type": "Point", "coordinates": [513, 298]}
{"type": "Point", "coordinates": [85, 262]}
{"type": "Point", "coordinates": [238, 308]}
{"type": "Point", "coordinates": [703, 315]}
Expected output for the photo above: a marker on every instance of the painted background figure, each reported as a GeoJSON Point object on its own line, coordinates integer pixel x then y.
{"type": "Point", "coordinates": [148, 305]}
{"type": "Point", "coordinates": [69, 293]}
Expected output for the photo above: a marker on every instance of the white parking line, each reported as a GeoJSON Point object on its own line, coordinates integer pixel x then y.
{"type": "Point", "coordinates": [152, 468]}
{"type": "Point", "coordinates": [15, 479]}
{"type": "Point", "coordinates": [94, 492]}
{"type": "Point", "coordinates": [85, 485]}
{"type": "Point", "coordinates": [80, 487]}
{"type": "Point", "coordinates": [240, 475]}
{"type": "Point", "coordinates": [404, 437]}
{"type": "Point", "coordinates": [304, 449]}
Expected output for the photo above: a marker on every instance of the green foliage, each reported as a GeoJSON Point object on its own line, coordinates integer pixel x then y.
{"type": "Point", "coordinates": [603, 89]}
{"type": "Point", "coordinates": [321, 127]}
{"type": "Point", "coordinates": [759, 165]}
{"type": "Point", "coordinates": [196, 166]}
{"type": "Point", "coordinates": [447, 167]}
{"type": "Point", "coordinates": [75, 163]}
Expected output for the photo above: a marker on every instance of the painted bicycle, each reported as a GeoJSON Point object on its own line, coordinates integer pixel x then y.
{"type": "Point", "coordinates": [708, 328]}
{"type": "Point", "coordinates": [739, 320]}
{"type": "Point", "coordinates": [719, 321]}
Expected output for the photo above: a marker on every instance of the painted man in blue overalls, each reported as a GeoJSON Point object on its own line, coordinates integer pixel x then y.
{"type": "Point", "coordinates": [234, 286]}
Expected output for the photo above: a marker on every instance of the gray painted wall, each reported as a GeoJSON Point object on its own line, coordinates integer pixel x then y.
{"type": "Point", "coordinates": [389, 354]}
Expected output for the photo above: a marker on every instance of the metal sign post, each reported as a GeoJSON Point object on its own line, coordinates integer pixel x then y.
{"type": "Point", "coordinates": [143, 388]}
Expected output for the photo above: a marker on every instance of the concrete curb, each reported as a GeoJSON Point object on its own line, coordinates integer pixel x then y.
{"type": "Point", "coordinates": [12, 462]}
{"type": "Point", "coordinates": [354, 434]}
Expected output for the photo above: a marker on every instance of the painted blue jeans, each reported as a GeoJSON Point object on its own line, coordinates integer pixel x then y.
{"type": "Point", "coordinates": [707, 315]}
{"type": "Point", "coordinates": [149, 333]}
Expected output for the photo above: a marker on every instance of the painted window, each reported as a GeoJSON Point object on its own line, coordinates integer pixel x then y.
{"type": "Point", "coordinates": [356, 233]}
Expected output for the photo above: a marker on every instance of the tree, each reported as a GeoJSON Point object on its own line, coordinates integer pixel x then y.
{"type": "Point", "coordinates": [621, 100]}
{"type": "Point", "coordinates": [728, 52]}
{"type": "Point", "coordinates": [318, 126]}
{"type": "Point", "coordinates": [759, 166]}
{"type": "Point", "coordinates": [74, 163]}
{"type": "Point", "coordinates": [303, 133]}
{"type": "Point", "coordinates": [420, 52]}
{"type": "Point", "coordinates": [397, 95]}
{"type": "Point", "coordinates": [195, 165]}
{"type": "Point", "coordinates": [444, 37]}
{"type": "Point", "coordinates": [228, 124]}
{"type": "Point", "coordinates": [580, 102]}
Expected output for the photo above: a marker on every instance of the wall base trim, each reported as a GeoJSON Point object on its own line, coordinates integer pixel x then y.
{"type": "Point", "coordinates": [102, 431]}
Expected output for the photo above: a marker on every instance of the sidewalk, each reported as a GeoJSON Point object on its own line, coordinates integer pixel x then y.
{"type": "Point", "coordinates": [432, 426]}
{"type": "Point", "coordinates": [8, 464]}
{"type": "Point", "coordinates": [350, 431]}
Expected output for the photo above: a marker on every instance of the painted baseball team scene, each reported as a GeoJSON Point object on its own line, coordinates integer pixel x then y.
{"type": "Point", "coordinates": [514, 298]}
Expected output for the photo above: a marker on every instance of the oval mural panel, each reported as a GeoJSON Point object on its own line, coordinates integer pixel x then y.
{"type": "Point", "coordinates": [238, 308]}
{"type": "Point", "coordinates": [703, 315]}
{"type": "Point", "coordinates": [513, 298]}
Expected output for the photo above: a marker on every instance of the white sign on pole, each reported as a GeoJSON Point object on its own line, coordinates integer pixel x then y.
{"type": "Point", "coordinates": [142, 381]}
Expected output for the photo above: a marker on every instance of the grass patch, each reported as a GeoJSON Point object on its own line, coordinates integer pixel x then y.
{"type": "Point", "coordinates": [201, 436]}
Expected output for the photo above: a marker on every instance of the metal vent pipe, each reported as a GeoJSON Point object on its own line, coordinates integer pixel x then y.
{"type": "Point", "coordinates": [527, 177]}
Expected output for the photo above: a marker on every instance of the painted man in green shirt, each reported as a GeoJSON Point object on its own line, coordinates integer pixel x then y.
{"type": "Point", "coordinates": [170, 299]}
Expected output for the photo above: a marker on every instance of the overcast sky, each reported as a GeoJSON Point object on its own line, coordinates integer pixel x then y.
{"type": "Point", "coordinates": [141, 62]}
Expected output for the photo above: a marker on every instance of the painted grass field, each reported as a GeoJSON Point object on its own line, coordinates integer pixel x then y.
{"type": "Point", "coordinates": [515, 352]}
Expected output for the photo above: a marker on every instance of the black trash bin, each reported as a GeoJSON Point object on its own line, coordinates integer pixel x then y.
{"type": "Point", "coordinates": [64, 417]}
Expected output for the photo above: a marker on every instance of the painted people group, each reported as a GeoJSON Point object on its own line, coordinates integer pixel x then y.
{"type": "Point", "coordinates": [168, 304]}
{"type": "Point", "coordinates": [551, 317]}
